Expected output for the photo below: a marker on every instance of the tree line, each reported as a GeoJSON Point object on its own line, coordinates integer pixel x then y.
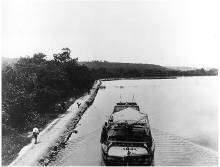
{"type": "Point", "coordinates": [105, 69]}
{"type": "Point", "coordinates": [33, 86]}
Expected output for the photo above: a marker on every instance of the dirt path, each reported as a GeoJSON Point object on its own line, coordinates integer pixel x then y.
{"type": "Point", "coordinates": [49, 137]}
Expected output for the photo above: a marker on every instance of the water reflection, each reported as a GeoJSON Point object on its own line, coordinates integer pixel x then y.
{"type": "Point", "coordinates": [187, 107]}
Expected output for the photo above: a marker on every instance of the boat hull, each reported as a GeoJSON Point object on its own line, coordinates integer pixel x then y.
{"type": "Point", "coordinates": [141, 160]}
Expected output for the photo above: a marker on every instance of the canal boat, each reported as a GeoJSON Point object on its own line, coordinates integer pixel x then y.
{"type": "Point", "coordinates": [126, 137]}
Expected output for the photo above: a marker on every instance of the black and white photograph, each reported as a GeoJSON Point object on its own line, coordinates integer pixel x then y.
{"type": "Point", "coordinates": [109, 82]}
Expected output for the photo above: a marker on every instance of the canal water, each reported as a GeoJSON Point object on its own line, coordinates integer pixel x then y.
{"type": "Point", "coordinates": [183, 115]}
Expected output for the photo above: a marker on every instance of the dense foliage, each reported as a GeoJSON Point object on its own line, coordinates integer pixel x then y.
{"type": "Point", "coordinates": [34, 90]}
{"type": "Point", "coordinates": [33, 85]}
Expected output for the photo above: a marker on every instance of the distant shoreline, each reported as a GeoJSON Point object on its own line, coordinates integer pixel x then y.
{"type": "Point", "coordinates": [132, 78]}
{"type": "Point", "coordinates": [138, 78]}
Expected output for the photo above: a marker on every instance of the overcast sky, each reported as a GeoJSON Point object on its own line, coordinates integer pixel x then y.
{"type": "Point", "coordinates": [164, 32]}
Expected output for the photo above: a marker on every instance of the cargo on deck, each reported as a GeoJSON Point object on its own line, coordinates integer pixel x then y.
{"type": "Point", "coordinates": [126, 137]}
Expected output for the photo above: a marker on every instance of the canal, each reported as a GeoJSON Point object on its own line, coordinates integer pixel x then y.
{"type": "Point", "coordinates": [183, 115]}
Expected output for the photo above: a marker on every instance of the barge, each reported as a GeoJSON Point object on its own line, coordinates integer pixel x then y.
{"type": "Point", "coordinates": [126, 137]}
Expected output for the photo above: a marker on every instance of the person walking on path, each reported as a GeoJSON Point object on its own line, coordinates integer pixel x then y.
{"type": "Point", "coordinates": [78, 104]}
{"type": "Point", "coordinates": [35, 134]}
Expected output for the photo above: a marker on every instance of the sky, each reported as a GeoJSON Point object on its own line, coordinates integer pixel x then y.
{"type": "Point", "coordinates": [163, 32]}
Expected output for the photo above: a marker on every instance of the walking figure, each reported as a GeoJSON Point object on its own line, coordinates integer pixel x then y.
{"type": "Point", "coordinates": [78, 104]}
{"type": "Point", "coordinates": [35, 134]}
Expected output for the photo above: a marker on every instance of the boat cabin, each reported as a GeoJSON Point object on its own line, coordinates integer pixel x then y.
{"type": "Point", "coordinates": [123, 105]}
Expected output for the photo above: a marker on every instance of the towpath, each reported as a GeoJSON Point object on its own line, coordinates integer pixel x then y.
{"type": "Point", "coordinates": [49, 137]}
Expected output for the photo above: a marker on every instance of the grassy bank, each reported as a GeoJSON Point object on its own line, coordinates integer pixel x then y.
{"type": "Point", "coordinates": [13, 140]}
{"type": "Point", "coordinates": [12, 144]}
{"type": "Point", "coordinates": [55, 134]}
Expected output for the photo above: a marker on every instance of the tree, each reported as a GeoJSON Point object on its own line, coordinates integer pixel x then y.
{"type": "Point", "coordinates": [34, 85]}
{"type": "Point", "coordinates": [64, 56]}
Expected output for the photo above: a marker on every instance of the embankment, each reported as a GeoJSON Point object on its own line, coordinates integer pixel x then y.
{"type": "Point", "coordinates": [55, 135]}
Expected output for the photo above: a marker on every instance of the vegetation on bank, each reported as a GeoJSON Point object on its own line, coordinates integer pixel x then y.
{"type": "Point", "coordinates": [32, 89]}
{"type": "Point", "coordinates": [32, 86]}
{"type": "Point", "coordinates": [35, 90]}
{"type": "Point", "coordinates": [104, 69]}
{"type": "Point", "coordinates": [12, 143]}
